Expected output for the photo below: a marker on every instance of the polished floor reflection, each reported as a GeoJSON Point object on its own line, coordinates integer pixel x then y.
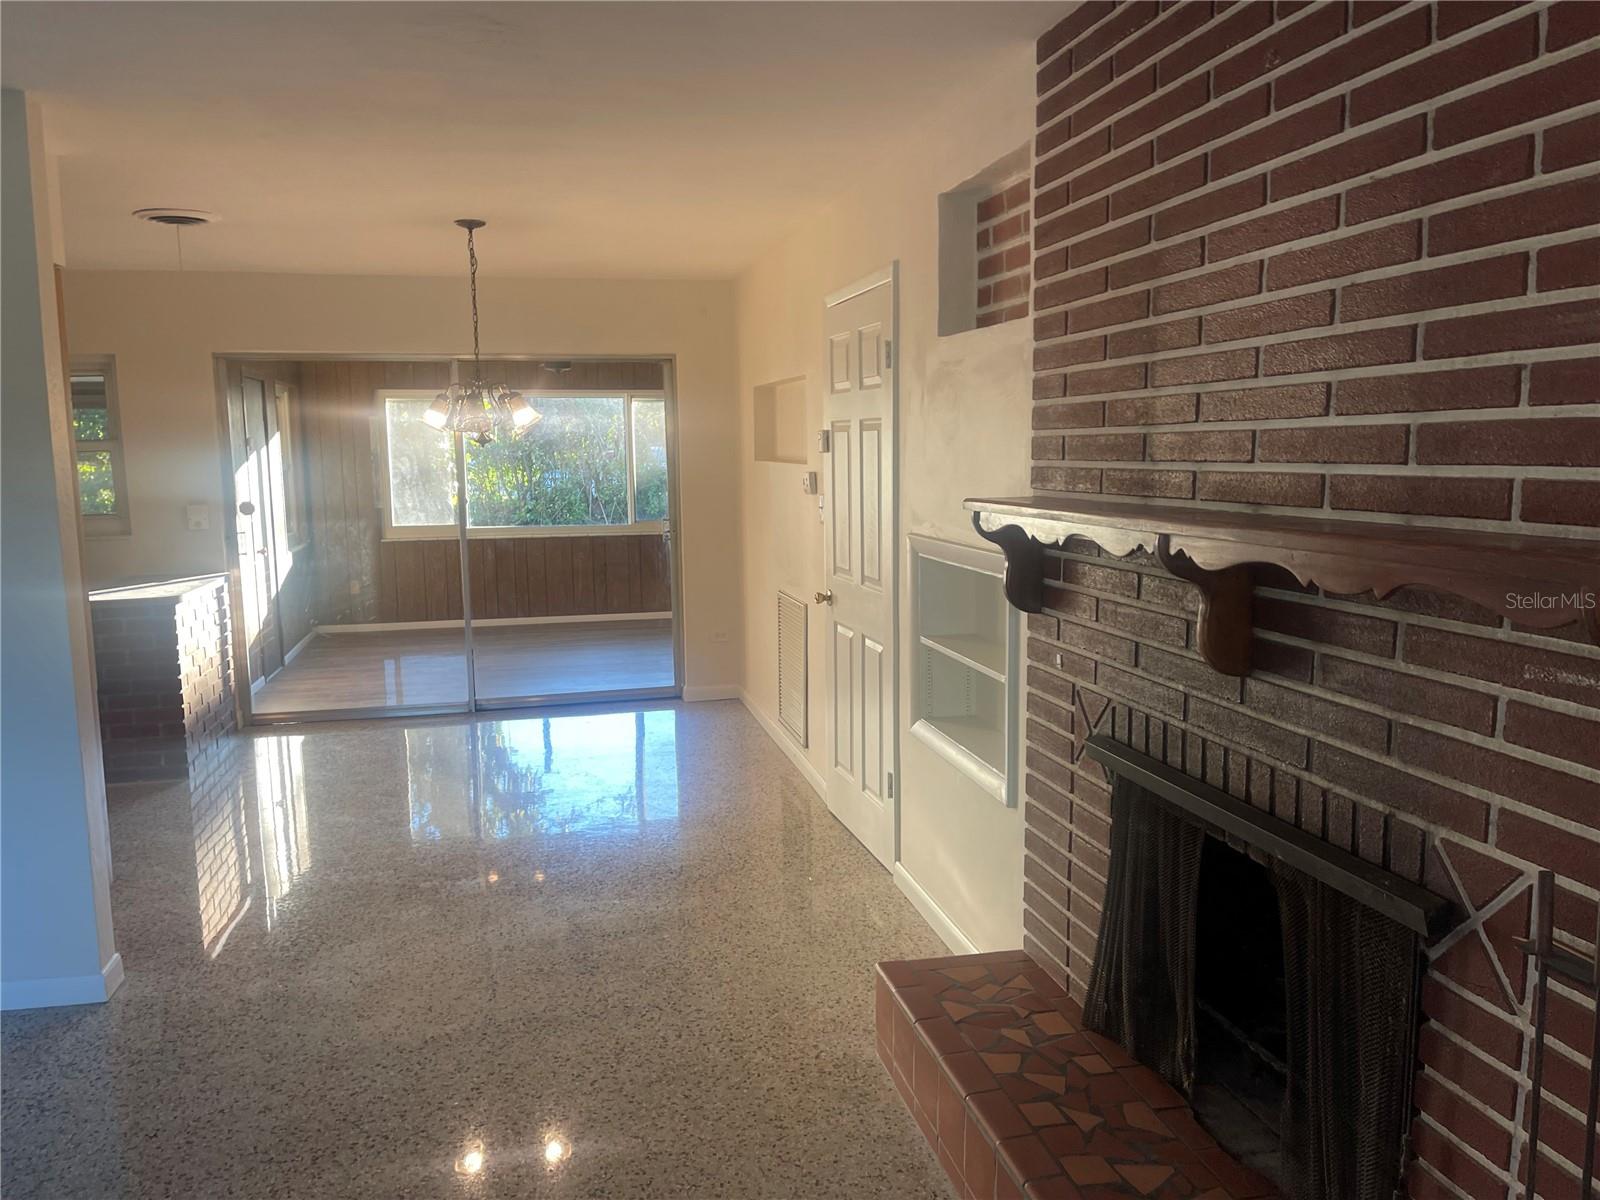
{"type": "Point", "coordinates": [427, 668]}
{"type": "Point", "coordinates": [597, 954]}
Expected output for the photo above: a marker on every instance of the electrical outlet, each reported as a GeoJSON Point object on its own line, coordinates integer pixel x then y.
{"type": "Point", "coordinates": [198, 516]}
{"type": "Point", "coordinates": [720, 635]}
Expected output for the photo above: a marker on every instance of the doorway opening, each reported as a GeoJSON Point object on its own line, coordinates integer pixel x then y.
{"type": "Point", "coordinates": [382, 566]}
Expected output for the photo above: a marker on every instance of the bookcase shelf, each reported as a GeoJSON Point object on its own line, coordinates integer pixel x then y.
{"type": "Point", "coordinates": [965, 638]}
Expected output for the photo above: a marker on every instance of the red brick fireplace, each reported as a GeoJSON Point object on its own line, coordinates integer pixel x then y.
{"type": "Point", "coordinates": [1338, 260]}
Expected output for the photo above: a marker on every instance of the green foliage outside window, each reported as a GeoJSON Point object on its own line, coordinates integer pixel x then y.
{"type": "Point", "coordinates": [91, 430]}
{"type": "Point", "coordinates": [570, 468]}
{"type": "Point", "coordinates": [97, 484]}
{"type": "Point", "coordinates": [91, 424]}
{"type": "Point", "coordinates": [650, 460]}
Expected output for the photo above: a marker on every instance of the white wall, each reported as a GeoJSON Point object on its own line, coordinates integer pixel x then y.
{"type": "Point", "coordinates": [55, 908]}
{"type": "Point", "coordinates": [965, 408]}
{"type": "Point", "coordinates": [164, 327]}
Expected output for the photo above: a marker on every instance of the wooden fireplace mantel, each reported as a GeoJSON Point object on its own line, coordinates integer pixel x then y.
{"type": "Point", "coordinates": [1539, 582]}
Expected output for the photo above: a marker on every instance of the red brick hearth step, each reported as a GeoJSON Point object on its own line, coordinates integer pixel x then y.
{"type": "Point", "coordinates": [1018, 1100]}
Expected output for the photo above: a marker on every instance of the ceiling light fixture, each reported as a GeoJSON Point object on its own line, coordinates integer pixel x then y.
{"type": "Point", "coordinates": [176, 219]}
{"type": "Point", "coordinates": [476, 409]}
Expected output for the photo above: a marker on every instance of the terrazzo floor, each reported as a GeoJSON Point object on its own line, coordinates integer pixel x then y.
{"type": "Point", "coordinates": [596, 954]}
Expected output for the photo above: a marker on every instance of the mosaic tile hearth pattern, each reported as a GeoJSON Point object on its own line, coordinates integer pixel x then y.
{"type": "Point", "coordinates": [1019, 1100]}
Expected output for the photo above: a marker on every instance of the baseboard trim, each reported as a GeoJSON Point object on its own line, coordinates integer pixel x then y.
{"type": "Point", "coordinates": [949, 932]}
{"type": "Point", "coordinates": [493, 622]}
{"type": "Point", "coordinates": [710, 691]}
{"type": "Point", "coordinates": [113, 974]}
{"type": "Point", "coordinates": [63, 990]}
{"type": "Point", "coordinates": [299, 646]}
{"type": "Point", "coordinates": [787, 744]}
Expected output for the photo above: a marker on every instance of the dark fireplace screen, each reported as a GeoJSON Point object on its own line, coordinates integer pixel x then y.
{"type": "Point", "coordinates": [1349, 978]}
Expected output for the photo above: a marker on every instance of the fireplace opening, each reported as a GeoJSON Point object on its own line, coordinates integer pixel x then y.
{"type": "Point", "coordinates": [1241, 1009]}
{"type": "Point", "coordinates": [1275, 987]}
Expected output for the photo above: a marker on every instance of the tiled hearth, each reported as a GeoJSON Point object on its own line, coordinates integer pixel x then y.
{"type": "Point", "coordinates": [1018, 1100]}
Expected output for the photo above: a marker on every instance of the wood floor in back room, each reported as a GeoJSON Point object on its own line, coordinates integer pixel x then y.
{"type": "Point", "coordinates": [412, 667]}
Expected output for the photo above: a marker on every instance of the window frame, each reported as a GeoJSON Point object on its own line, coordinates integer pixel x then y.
{"type": "Point", "coordinates": [116, 523]}
{"type": "Point", "coordinates": [408, 533]}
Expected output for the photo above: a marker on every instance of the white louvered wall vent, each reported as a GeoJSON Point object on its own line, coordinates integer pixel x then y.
{"type": "Point", "coordinates": [792, 689]}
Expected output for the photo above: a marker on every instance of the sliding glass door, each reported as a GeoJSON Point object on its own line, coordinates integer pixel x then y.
{"type": "Point", "coordinates": [386, 566]}
{"type": "Point", "coordinates": [569, 551]}
{"type": "Point", "coordinates": [372, 620]}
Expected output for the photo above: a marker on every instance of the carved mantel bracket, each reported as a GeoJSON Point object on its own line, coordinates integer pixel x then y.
{"type": "Point", "coordinates": [1536, 582]}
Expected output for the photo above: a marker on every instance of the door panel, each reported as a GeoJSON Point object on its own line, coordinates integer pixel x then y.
{"type": "Point", "coordinates": [872, 452]}
{"type": "Point", "coordinates": [839, 374]}
{"type": "Point", "coordinates": [612, 570]}
{"type": "Point", "coordinates": [870, 338]}
{"type": "Point", "coordinates": [839, 512]}
{"type": "Point", "coordinates": [860, 541]}
{"type": "Point", "coordinates": [874, 691]}
{"type": "Point", "coordinates": [844, 700]}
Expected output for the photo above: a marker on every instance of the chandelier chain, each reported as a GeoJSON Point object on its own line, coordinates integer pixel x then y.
{"type": "Point", "coordinates": [472, 270]}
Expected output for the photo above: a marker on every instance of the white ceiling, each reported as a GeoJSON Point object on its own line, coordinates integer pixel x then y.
{"type": "Point", "coordinates": [598, 139]}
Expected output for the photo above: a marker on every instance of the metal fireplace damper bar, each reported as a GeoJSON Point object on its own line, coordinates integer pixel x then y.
{"type": "Point", "coordinates": [1580, 972]}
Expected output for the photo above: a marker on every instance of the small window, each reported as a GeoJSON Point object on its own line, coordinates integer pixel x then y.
{"type": "Point", "coordinates": [97, 444]}
{"type": "Point", "coordinates": [649, 460]}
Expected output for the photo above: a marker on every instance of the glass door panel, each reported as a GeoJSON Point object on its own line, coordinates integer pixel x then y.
{"type": "Point", "coordinates": [567, 551]}
{"type": "Point", "coordinates": [373, 491]}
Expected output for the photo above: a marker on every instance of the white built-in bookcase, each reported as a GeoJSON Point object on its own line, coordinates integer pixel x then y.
{"type": "Point", "coordinates": [965, 639]}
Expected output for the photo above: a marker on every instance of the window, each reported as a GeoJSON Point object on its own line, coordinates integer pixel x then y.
{"type": "Point", "coordinates": [649, 460]}
{"type": "Point", "coordinates": [98, 449]}
{"type": "Point", "coordinates": [592, 461]}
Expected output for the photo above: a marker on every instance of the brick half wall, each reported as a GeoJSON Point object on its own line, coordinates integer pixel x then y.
{"type": "Point", "coordinates": [1336, 258]}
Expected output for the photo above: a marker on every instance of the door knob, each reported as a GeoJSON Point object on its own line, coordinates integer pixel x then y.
{"type": "Point", "coordinates": [247, 508]}
{"type": "Point", "coordinates": [825, 597]}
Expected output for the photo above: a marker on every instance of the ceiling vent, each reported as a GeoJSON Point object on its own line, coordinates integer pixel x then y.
{"type": "Point", "coordinates": [181, 217]}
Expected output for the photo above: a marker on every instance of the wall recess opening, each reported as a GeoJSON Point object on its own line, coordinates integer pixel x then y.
{"type": "Point", "coordinates": [780, 421]}
{"type": "Point", "coordinates": [985, 248]}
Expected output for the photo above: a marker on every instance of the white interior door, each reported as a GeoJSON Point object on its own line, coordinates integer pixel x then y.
{"type": "Point", "coordinates": [859, 530]}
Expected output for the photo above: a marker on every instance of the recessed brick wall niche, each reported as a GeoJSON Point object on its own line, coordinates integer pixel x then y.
{"type": "Point", "coordinates": [1004, 253]}
{"type": "Point", "coordinates": [1334, 258]}
{"type": "Point", "coordinates": [985, 251]}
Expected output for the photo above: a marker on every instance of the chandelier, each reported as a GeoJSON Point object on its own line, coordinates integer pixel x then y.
{"type": "Point", "coordinates": [476, 409]}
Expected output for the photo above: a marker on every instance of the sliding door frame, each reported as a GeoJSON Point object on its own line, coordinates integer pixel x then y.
{"type": "Point", "coordinates": [244, 709]}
